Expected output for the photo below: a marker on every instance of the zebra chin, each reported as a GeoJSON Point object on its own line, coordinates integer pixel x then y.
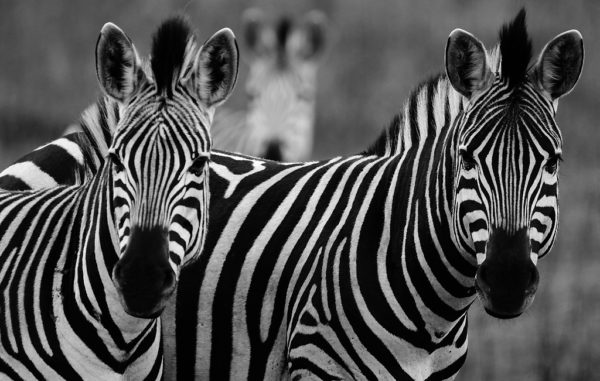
{"type": "Point", "coordinates": [143, 306]}
{"type": "Point", "coordinates": [143, 275]}
{"type": "Point", "coordinates": [507, 280]}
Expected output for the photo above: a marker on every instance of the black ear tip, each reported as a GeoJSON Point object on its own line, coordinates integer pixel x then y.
{"type": "Point", "coordinates": [110, 28]}
{"type": "Point", "coordinates": [459, 38]}
{"type": "Point", "coordinates": [459, 34]}
{"type": "Point", "coordinates": [109, 34]}
{"type": "Point", "coordinates": [225, 38]}
{"type": "Point", "coordinates": [574, 35]}
{"type": "Point", "coordinates": [227, 33]}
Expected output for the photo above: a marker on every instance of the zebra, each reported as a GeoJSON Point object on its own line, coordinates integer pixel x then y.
{"type": "Point", "coordinates": [364, 267]}
{"type": "Point", "coordinates": [281, 89]}
{"type": "Point", "coordinates": [86, 270]}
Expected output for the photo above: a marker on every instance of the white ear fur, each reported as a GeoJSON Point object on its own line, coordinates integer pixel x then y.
{"type": "Point", "coordinates": [466, 63]}
{"type": "Point", "coordinates": [117, 63]}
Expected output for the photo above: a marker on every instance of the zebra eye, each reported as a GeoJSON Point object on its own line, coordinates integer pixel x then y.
{"type": "Point", "coordinates": [467, 160]}
{"type": "Point", "coordinates": [197, 167]}
{"type": "Point", "coordinates": [552, 163]}
{"type": "Point", "coordinates": [116, 162]}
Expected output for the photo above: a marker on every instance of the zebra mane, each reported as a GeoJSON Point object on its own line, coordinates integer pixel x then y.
{"type": "Point", "coordinates": [99, 122]}
{"type": "Point", "coordinates": [515, 49]}
{"type": "Point", "coordinates": [169, 46]}
{"type": "Point", "coordinates": [435, 100]}
{"type": "Point", "coordinates": [510, 58]}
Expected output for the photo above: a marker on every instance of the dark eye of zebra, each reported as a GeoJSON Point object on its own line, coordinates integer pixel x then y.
{"type": "Point", "coordinates": [197, 167]}
{"type": "Point", "coordinates": [467, 160]}
{"type": "Point", "coordinates": [552, 163]}
{"type": "Point", "coordinates": [116, 162]}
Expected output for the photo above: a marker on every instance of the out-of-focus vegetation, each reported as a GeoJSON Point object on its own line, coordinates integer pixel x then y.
{"type": "Point", "coordinates": [378, 51]}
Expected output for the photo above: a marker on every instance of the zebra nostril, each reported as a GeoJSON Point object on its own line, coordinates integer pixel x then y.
{"type": "Point", "coordinates": [169, 281]}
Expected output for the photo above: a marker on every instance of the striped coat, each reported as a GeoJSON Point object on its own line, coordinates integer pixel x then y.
{"type": "Point", "coordinates": [365, 266]}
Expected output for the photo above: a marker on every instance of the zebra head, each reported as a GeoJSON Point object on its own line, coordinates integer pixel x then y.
{"type": "Point", "coordinates": [281, 83]}
{"type": "Point", "coordinates": [158, 159]}
{"type": "Point", "coordinates": [507, 150]}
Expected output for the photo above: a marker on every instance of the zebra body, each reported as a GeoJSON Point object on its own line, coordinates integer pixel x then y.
{"type": "Point", "coordinates": [296, 242]}
{"type": "Point", "coordinates": [281, 88]}
{"type": "Point", "coordinates": [86, 270]}
{"type": "Point", "coordinates": [364, 267]}
{"type": "Point", "coordinates": [48, 172]}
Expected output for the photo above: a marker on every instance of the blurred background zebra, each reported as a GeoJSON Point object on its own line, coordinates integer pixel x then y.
{"type": "Point", "coordinates": [375, 52]}
{"type": "Point", "coordinates": [283, 57]}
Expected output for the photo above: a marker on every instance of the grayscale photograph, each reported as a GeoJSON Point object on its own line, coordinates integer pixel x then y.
{"type": "Point", "coordinates": [300, 190]}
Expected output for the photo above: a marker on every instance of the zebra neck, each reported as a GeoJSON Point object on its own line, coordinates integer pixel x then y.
{"type": "Point", "coordinates": [99, 122]}
{"type": "Point", "coordinates": [95, 296]}
{"type": "Point", "coordinates": [430, 270]}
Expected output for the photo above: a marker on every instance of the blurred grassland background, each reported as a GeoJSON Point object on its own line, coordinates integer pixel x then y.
{"type": "Point", "coordinates": [377, 52]}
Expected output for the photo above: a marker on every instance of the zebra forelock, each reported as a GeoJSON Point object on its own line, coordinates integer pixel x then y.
{"type": "Point", "coordinates": [282, 31]}
{"type": "Point", "coordinates": [515, 49]}
{"type": "Point", "coordinates": [169, 46]}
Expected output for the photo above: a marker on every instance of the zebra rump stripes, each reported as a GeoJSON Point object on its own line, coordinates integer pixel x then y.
{"type": "Point", "coordinates": [86, 270]}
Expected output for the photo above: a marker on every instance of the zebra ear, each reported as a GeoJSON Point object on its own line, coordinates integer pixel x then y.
{"type": "Point", "coordinates": [559, 65]}
{"type": "Point", "coordinates": [217, 66]}
{"type": "Point", "coordinates": [466, 63]}
{"type": "Point", "coordinates": [308, 41]}
{"type": "Point", "coordinates": [117, 63]}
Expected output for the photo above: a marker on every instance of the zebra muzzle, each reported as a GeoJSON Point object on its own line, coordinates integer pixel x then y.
{"type": "Point", "coordinates": [507, 278]}
{"type": "Point", "coordinates": [143, 275]}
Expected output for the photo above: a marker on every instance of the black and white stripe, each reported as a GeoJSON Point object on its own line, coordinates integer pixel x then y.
{"type": "Point", "coordinates": [364, 267]}
{"type": "Point", "coordinates": [85, 270]}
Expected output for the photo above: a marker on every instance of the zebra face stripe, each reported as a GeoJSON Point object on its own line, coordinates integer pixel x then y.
{"type": "Point", "coordinates": [160, 151]}
{"type": "Point", "coordinates": [506, 191]}
{"type": "Point", "coordinates": [160, 163]}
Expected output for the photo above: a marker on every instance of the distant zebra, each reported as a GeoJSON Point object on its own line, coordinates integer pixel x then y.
{"type": "Point", "coordinates": [86, 270]}
{"type": "Point", "coordinates": [364, 267]}
{"type": "Point", "coordinates": [281, 88]}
